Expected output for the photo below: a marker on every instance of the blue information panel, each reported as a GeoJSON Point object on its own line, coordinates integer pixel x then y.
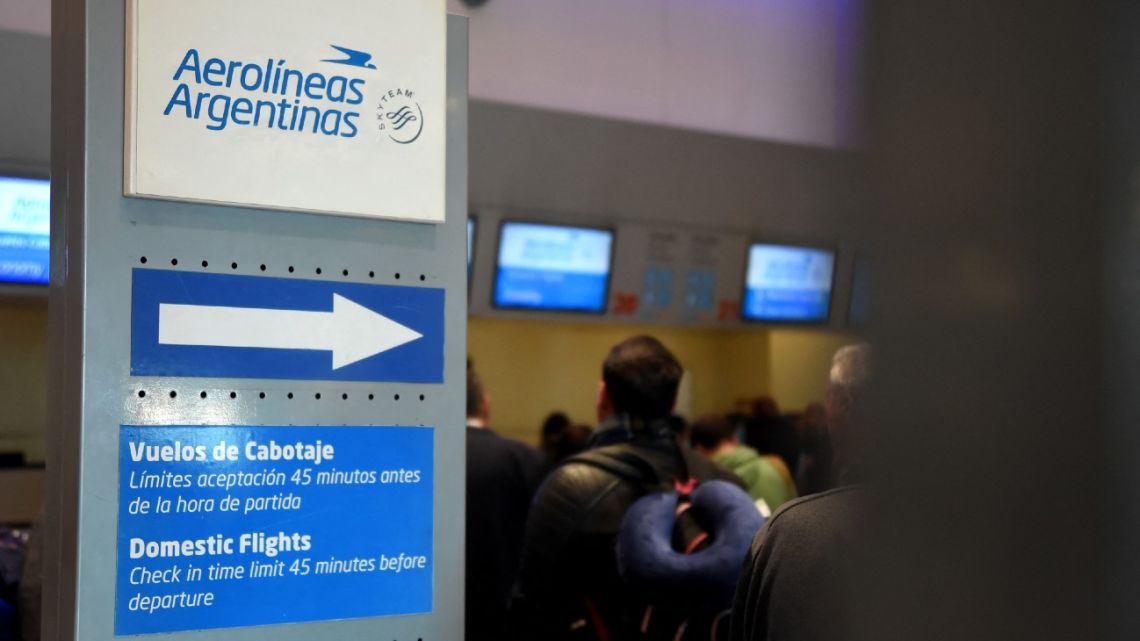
{"type": "Point", "coordinates": [237, 526]}
{"type": "Point", "coordinates": [24, 225]}
{"type": "Point", "coordinates": [551, 267]}
{"type": "Point", "coordinates": [791, 284]}
{"type": "Point", "coordinates": [219, 325]}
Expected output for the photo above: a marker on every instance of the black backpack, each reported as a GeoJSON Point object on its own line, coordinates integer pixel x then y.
{"type": "Point", "coordinates": [661, 615]}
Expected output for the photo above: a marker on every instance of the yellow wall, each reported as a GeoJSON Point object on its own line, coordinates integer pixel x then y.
{"type": "Point", "coordinates": [23, 377]}
{"type": "Point", "coordinates": [800, 360]}
{"type": "Point", "coordinates": [533, 367]}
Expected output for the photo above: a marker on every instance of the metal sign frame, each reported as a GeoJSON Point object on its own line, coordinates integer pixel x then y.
{"type": "Point", "coordinates": [98, 238]}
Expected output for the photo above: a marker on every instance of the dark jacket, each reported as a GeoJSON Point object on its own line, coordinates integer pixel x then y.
{"type": "Point", "coordinates": [793, 582]}
{"type": "Point", "coordinates": [501, 478]}
{"type": "Point", "coordinates": [568, 581]}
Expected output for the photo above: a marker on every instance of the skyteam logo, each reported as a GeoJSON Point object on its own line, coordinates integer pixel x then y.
{"type": "Point", "coordinates": [274, 94]}
{"type": "Point", "coordinates": [400, 116]}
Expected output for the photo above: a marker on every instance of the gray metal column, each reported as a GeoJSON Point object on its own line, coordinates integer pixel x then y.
{"type": "Point", "coordinates": [99, 238]}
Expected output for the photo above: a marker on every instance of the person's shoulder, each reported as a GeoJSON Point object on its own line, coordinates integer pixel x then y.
{"type": "Point", "coordinates": [491, 438]}
{"type": "Point", "coordinates": [808, 511]}
{"type": "Point", "coordinates": [598, 465]}
{"type": "Point", "coordinates": [490, 448]}
{"type": "Point", "coordinates": [515, 446]}
{"type": "Point", "coordinates": [591, 472]}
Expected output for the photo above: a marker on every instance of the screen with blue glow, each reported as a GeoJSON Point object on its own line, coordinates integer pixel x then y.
{"type": "Point", "coordinates": [788, 284]}
{"type": "Point", "coordinates": [551, 267]}
{"type": "Point", "coordinates": [24, 230]}
{"type": "Point", "coordinates": [470, 243]}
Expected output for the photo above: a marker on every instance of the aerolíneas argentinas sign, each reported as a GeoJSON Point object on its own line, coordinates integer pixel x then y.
{"type": "Point", "coordinates": [333, 107]}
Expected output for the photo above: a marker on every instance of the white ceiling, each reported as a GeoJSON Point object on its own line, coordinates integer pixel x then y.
{"type": "Point", "coordinates": [783, 70]}
{"type": "Point", "coordinates": [33, 16]}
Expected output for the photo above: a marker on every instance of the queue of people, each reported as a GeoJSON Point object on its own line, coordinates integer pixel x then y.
{"type": "Point", "coordinates": [650, 528]}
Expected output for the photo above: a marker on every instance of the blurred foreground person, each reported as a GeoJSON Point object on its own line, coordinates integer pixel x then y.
{"type": "Point", "coordinates": [767, 479]}
{"type": "Point", "coordinates": [501, 478]}
{"type": "Point", "coordinates": [791, 585]}
{"type": "Point", "coordinates": [570, 585]}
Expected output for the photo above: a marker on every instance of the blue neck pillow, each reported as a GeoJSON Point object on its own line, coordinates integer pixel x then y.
{"type": "Point", "coordinates": [646, 557]}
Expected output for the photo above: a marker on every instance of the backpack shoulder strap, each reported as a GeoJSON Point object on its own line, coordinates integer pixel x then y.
{"type": "Point", "coordinates": [623, 463]}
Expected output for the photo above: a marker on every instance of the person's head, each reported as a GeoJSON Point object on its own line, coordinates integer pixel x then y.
{"type": "Point", "coordinates": [555, 423]}
{"type": "Point", "coordinates": [553, 430]}
{"type": "Point", "coordinates": [711, 434]}
{"type": "Point", "coordinates": [478, 403]}
{"type": "Point", "coordinates": [567, 443]}
{"type": "Point", "coordinates": [765, 407]}
{"type": "Point", "coordinates": [640, 377]}
{"type": "Point", "coordinates": [815, 415]}
{"type": "Point", "coordinates": [850, 370]}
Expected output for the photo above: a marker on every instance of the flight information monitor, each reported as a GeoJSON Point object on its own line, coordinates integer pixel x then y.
{"type": "Point", "coordinates": [24, 230]}
{"type": "Point", "coordinates": [788, 284]}
{"type": "Point", "coordinates": [553, 267]}
{"type": "Point", "coordinates": [470, 243]}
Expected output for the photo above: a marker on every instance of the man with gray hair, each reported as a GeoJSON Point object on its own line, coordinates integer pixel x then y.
{"type": "Point", "coordinates": [791, 585]}
{"type": "Point", "coordinates": [850, 369]}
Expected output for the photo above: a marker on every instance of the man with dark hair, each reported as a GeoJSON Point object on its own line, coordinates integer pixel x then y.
{"type": "Point", "coordinates": [769, 481]}
{"type": "Point", "coordinates": [501, 478]}
{"type": "Point", "coordinates": [569, 585]}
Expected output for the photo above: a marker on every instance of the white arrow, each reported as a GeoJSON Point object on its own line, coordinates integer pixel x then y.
{"type": "Point", "coordinates": [350, 331]}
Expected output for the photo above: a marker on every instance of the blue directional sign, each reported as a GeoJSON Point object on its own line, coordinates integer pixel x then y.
{"type": "Point", "coordinates": [228, 326]}
{"type": "Point", "coordinates": [228, 526]}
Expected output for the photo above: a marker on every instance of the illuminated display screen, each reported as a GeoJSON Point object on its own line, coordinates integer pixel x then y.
{"type": "Point", "coordinates": [551, 267]}
{"type": "Point", "coordinates": [788, 284]}
{"type": "Point", "coordinates": [25, 215]}
{"type": "Point", "coordinates": [470, 243]}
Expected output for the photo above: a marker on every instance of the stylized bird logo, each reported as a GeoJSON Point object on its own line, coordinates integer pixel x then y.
{"type": "Point", "coordinates": [353, 58]}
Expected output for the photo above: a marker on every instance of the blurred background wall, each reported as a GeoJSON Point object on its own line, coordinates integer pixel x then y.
{"type": "Point", "coordinates": [987, 156]}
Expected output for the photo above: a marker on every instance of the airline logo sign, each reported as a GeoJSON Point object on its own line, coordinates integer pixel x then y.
{"type": "Point", "coordinates": [334, 107]}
